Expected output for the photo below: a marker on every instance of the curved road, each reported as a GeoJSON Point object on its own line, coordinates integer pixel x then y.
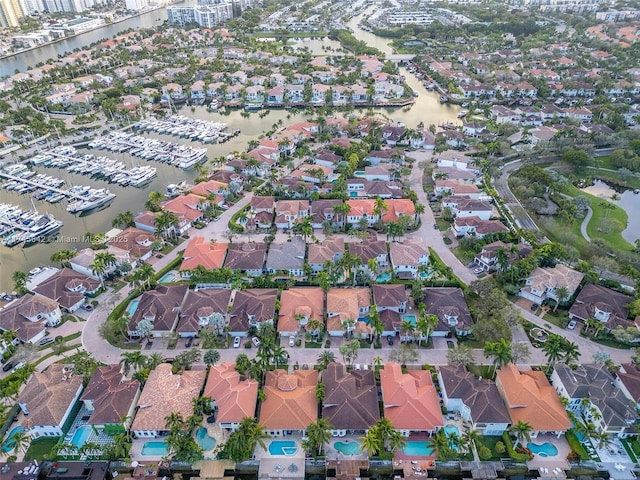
{"type": "Point", "coordinates": [104, 352]}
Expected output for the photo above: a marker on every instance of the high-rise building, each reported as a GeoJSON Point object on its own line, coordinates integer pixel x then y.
{"type": "Point", "coordinates": [29, 7]}
{"type": "Point", "coordinates": [10, 13]}
{"type": "Point", "coordinates": [71, 6]}
{"type": "Point", "coordinates": [207, 16]}
{"type": "Point", "coordinates": [136, 5]}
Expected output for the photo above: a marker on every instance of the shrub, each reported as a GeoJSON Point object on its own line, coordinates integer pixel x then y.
{"type": "Point", "coordinates": [500, 448]}
{"type": "Point", "coordinates": [484, 453]}
{"type": "Point", "coordinates": [327, 344]}
{"type": "Point", "coordinates": [517, 457]}
{"type": "Point", "coordinates": [576, 445]}
{"type": "Point", "coordinates": [247, 344]}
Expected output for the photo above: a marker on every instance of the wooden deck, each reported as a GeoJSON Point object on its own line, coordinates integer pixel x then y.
{"type": "Point", "coordinates": [482, 470]}
{"type": "Point", "coordinates": [346, 469]}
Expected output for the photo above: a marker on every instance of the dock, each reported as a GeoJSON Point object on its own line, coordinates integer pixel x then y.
{"type": "Point", "coordinates": [65, 192]}
{"type": "Point", "coordinates": [341, 469]}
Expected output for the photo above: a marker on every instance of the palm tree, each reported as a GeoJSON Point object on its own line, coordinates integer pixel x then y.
{"type": "Point", "coordinates": [211, 357]}
{"type": "Point", "coordinates": [425, 324]}
{"type": "Point", "coordinates": [325, 358]}
{"type": "Point", "coordinates": [174, 421]}
{"type": "Point", "coordinates": [132, 359]}
{"type": "Point", "coordinates": [379, 207]}
{"type": "Point", "coordinates": [562, 294]}
{"type": "Point", "coordinates": [123, 220]}
{"type": "Point", "coordinates": [522, 431]}
{"type": "Point", "coordinates": [603, 438]}
{"type": "Point", "coordinates": [63, 256]}
{"type": "Point", "coordinates": [99, 269]}
{"type": "Point", "coordinates": [407, 330]}
{"type": "Point", "coordinates": [372, 442]}
{"type": "Point", "coordinates": [553, 348]}
{"type": "Point", "coordinates": [107, 259]}
{"type": "Point", "coordinates": [154, 360]}
{"type": "Point", "coordinates": [20, 281]}
{"type": "Point", "coordinates": [319, 434]}
{"type": "Point", "coordinates": [395, 441]}
{"type": "Point", "coordinates": [146, 273]}
{"type": "Point", "coordinates": [571, 353]}
{"type": "Point", "coordinates": [20, 441]}
{"type": "Point", "coordinates": [500, 351]}
{"type": "Point", "coordinates": [342, 210]}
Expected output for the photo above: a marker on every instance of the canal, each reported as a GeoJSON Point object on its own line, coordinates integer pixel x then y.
{"type": "Point", "coordinates": [427, 109]}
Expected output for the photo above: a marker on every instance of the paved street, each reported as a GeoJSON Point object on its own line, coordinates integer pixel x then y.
{"type": "Point", "coordinates": [93, 342]}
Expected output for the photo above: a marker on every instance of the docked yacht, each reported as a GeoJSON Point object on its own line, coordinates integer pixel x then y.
{"type": "Point", "coordinates": [94, 199]}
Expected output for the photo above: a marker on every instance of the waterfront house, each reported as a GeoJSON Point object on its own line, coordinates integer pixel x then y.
{"type": "Point", "coordinates": [290, 403]}
{"type": "Point", "coordinates": [410, 400]}
{"type": "Point", "coordinates": [449, 305]}
{"type": "Point", "coordinates": [29, 316]}
{"type": "Point", "coordinates": [188, 208]}
{"type": "Point", "coordinates": [593, 396]}
{"type": "Point", "coordinates": [251, 307]}
{"type": "Point", "coordinates": [204, 253]}
{"type": "Point", "coordinates": [161, 307]}
{"type": "Point", "coordinates": [204, 309]}
{"type": "Point", "coordinates": [331, 249]}
{"type": "Point", "coordinates": [345, 306]}
{"type": "Point", "coordinates": [407, 257]}
{"type": "Point", "coordinates": [287, 257]}
{"type": "Point", "coordinates": [247, 258]}
{"type": "Point", "coordinates": [212, 187]}
{"type": "Point", "coordinates": [110, 399]}
{"type": "Point", "coordinates": [83, 262]}
{"type": "Point", "coordinates": [476, 399]}
{"type": "Point", "coordinates": [165, 393]}
{"type": "Point", "coordinates": [350, 400]}
{"type": "Point", "coordinates": [136, 242]}
{"type": "Point", "coordinates": [530, 398]}
{"type": "Point", "coordinates": [391, 301]}
{"type": "Point", "coordinates": [235, 396]}
{"type": "Point", "coordinates": [49, 398]}
{"type": "Point", "coordinates": [602, 304]}
{"type": "Point", "coordinates": [543, 283]}
{"type": "Point", "coordinates": [299, 305]}
{"type": "Point", "coordinates": [68, 288]}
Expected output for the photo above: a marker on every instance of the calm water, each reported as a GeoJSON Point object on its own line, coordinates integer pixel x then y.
{"type": "Point", "coordinates": [427, 109]}
{"type": "Point", "coordinates": [629, 201]}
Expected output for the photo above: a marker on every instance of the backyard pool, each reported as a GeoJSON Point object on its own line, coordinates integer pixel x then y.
{"type": "Point", "coordinates": [204, 440]}
{"type": "Point", "coordinates": [347, 448]}
{"type": "Point", "coordinates": [8, 444]}
{"type": "Point", "coordinates": [450, 428]}
{"type": "Point", "coordinates": [359, 173]}
{"type": "Point", "coordinates": [154, 449]}
{"type": "Point", "coordinates": [418, 449]}
{"type": "Point", "coordinates": [425, 275]}
{"type": "Point", "coordinates": [81, 436]}
{"type": "Point", "coordinates": [383, 277]}
{"type": "Point", "coordinates": [409, 318]}
{"type": "Point", "coordinates": [283, 447]}
{"type": "Point", "coordinates": [545, 450]}
{"type": "Point", "coordinates": [166, 278]}
{"type": "Point", "coordinates": [131, 309]}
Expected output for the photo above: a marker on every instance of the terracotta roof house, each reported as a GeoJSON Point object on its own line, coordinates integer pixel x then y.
{"type": "Point", "coordinates": [235, 396]}
{"type": "Point", "coordinates": [163, 394]}
{"type": "Point", "coordinates": [162, 307]}
{"type": "Point", "coordinates": [188, 208]}
{"type": "Point", "coordinates": [466, 226]}
{"type": "Point", "coordinates": [627, 379]}
{"type": "Point", "coordinates": [391, 301]}
{"type": "Point", "coordinates": [530, 398]}
{"type": "Point", "coordinates": [370, 249]}
{"type": "Point", "coordinates": [344, 307]}
{"type": "Point", "coordinates": [287, 257]}
{"type": "Point", "coordinates": [68, 288]}
{"type": "Point", "coordinates": [247, 258]}
{"type": "Point", "coordinates": [410, 400]}
{"type": "Point", "coordinates": [489, 257]}
{"type": "Point", "coordinates": [602, 304]}
{"type": "Point", "coordinates": [288, 212]}
{"type": "Point", "coordinates": [361, 208]}
{"type": "Point", "coordinates": [251, 307]}
{"type": "Point", "coordinates": [543, 283]}
{"type": "Point", "coordinates": [204, 253]}
{"type": "Point", "coordinates": [449, 305]}
{"type": "Point", "coordinates": [290, 402]}
{"type": "Point", "coordinates": [322, 211]}
{"type": "Point", "coordinates": [201, 309]}
{"type": "Point", "coordinates": [263, 204]}
{"type": "Point", "coordinates": [476, 399]}
{"type": "Point", "coordinates": [298, 305]}
{"type": "Point", "coordinates": [136, 242]}
{"type": "Point", "coordinates": [85, 258]}
{"type": "Point", "coordinates": [350, 399]}
{"type": "Point", "coordinates": [29, 315]}
{"type": "Point", "coordinates": [49, 398]}
{"type": "Point", "coordinates": [110, 398]}
{"type": "Point", "coordinates": [212, 187]}
{"type": "Point", "coordinates": [331, 249]}
{"type": "Point", "coordinates": [590, 388]}
{"type": "Point", "coordinates": [407, 257]}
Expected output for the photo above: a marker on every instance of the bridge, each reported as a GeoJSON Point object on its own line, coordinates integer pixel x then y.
{"type": "Point", "coordinates": [400, 59]}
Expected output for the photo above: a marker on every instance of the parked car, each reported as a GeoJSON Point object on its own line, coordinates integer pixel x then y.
{"type": "Point", "coordinates": [7, 367]}
{"type": "Point", "coordinates": [292, 341]}
{"type": "Point", "coordinates": [87, 307]}
{"type": "Point", "coordinates": [478, 271]}
{"type": "Point", "coordinates": [189, 342]}
{"type": "Point", "coordinates": [256, 341]}
{"type": "Point", "coordinates": [236, 342]}
{"type": "Point", "coordinates": [45, 341]}
{"type": "Point", "coordinates": [534, 307]}
{"type": "Point", "coordinates": [571, 325]}
{"type": "Point", "coordinates": [18, 367]}
{"type": "Point", "coordinates": [390, 339]}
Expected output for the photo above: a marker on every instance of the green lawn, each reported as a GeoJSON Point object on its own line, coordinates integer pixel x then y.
{"type": "Point", "coordinates": [490, 441]}
{"type": "Point", "coordinates": [40, 448]}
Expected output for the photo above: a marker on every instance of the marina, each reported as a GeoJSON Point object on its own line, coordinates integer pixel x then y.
{"type": "Point", "coordinates": [182, 156]}
{"type": "Point", "coordinates": [204, 131]}
{"type": "Point", "coordinates": [25, 226]}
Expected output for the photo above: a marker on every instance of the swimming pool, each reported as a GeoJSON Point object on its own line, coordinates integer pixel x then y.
{"type": "Point", "coordinates": [131, 309]}
{"type": "Point", "coordinates": [383, 277]}
{"type": "Point", "coordinates": [154, 449]}
{"type": "Point", "coordinates": [450, 428]}
{"type": "Point", "coordinates": [425, 275]}
{"type": "Point", "coordinates": [544, 450]}
{"type": "Point", "coordinates": [8, 444]}
{"type": "Point", "coordinates": [81, 436]}
{"type": "Point", "coordinates": [347, 448]}
{"type": "Point", "coordinates": [409, 318]}
{"type": "Point", "coordinates": [358, 173]}
{"type": "Point", "coordinates": [166, 278]}
{"type": "Point", "coordinates": [204, 440]}
{"type": "Point", "coordinates": [283, 447]}
{"type": "Point", "coordinates": [415, 448]}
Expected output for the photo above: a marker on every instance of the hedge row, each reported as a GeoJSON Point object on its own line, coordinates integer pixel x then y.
{"type": "Point", "coordinates": [516, 457]}
{"type": "Point", "coordinates": [576, 445]}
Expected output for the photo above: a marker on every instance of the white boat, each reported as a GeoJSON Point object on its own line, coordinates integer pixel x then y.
{"type": "Point", "coordinates": [95, 199]}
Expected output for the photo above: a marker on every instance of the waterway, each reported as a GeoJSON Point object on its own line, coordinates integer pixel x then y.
{"type": "Point", "coordinates": [427, 109]}
{"type": "Point", "coordinates": [629, 201]}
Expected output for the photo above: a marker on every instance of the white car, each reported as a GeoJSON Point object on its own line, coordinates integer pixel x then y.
{"type": "Point", "coordinates": [292, 341]}
{"type": "Point", "coordinates": [478, 271]}
{"type": "Point", "coordinates": [571, 325]}
{"type": "Point", "coordinates": [256, 341]}
{"type": "Point", "coordinates": [236, 342]}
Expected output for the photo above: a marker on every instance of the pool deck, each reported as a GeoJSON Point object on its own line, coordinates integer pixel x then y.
{"type": "Point", "coordinates": [332, 453]}
{"type": "Point", "coordinates": [219, 434]}
{"type": "Point", "coordinates": [260, 454]}
{"type": "Point", "coordinates": [427, 459]}
{"type": "Point", "coordinates": [558, 461]}
{"type": "Point", "coordinates": [136, 450]}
